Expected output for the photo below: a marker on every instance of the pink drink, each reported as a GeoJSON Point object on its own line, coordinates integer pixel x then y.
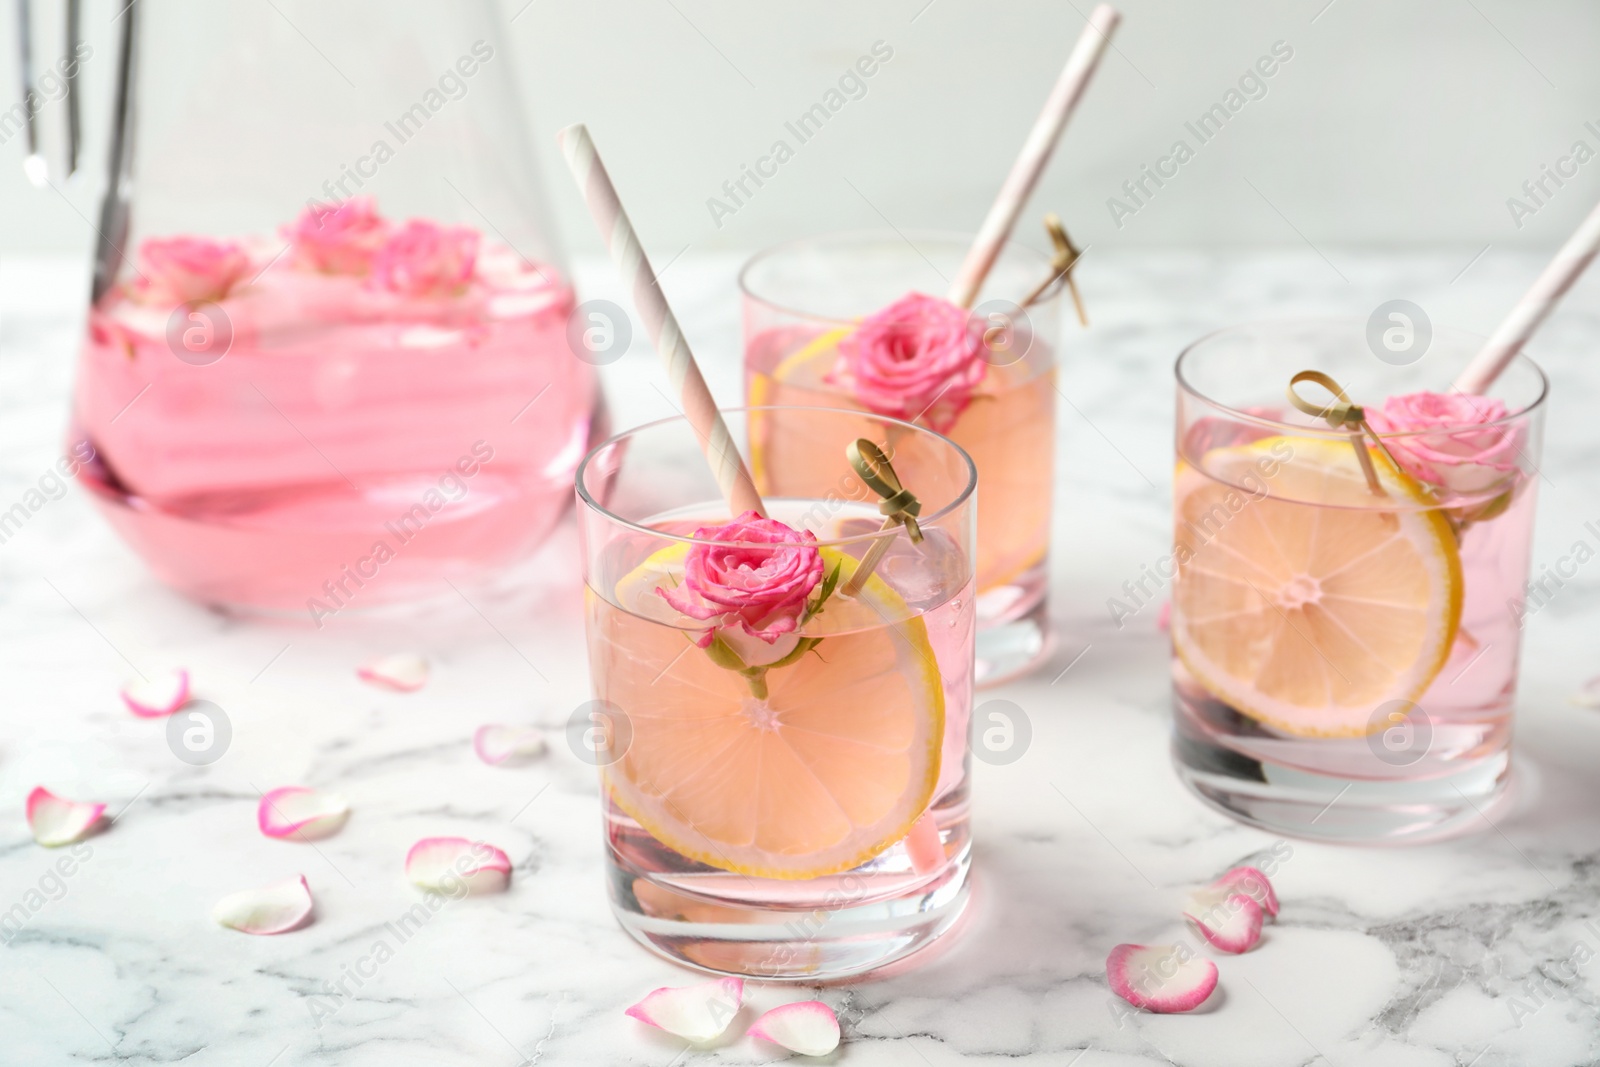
{"type": "Point", "coordinates": [1346, 640]}
{"type": "Point", "coordinates": [1010, 415]}
{"type": "Point", "coordinates": [794, 806]}
{"type": "Point", "coordinates": [851, 321]}
{"type": "Point", "coordinates": [351, 446]}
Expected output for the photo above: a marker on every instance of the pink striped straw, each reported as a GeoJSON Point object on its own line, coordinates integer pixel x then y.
{"type": "Point", "coordinates": [1036, 151]}
{"type": "Point", "coordinates": [733, 478]}
{"type": "Point", "coordinates": [1534, 307]}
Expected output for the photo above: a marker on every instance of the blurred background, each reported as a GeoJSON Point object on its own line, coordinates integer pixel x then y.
{"type": "Point", "coordinates": [1389, 125]}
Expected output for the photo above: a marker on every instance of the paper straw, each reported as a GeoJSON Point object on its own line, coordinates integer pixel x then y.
{"type": "Point", "coordinates": [698, 407]}
{"type": "Point", "coordinates": [1041, 142]}
{"type": "Point", "coordinates": [1534, 307]}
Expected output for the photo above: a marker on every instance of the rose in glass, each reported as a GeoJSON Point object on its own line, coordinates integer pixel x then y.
{"type": "Point", "coordinates": [189, 270]}
{"type": "Point", "coordinates": [1467, 454]}
{"type": "Point", "coordinates": [423, 258]}
{"type": "Point", "coordinates": [339, 238]}
{"type": "Point", "coordinates": [755, 581]}
{"type": "Point", "coordinates": [919, 357]}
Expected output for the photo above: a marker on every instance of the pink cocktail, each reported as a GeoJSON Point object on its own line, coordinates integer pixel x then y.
{"type": "Point", "coordinates": [781, 729]}
{"type": "Point", "coordinates": [354, 420]}
{"type": "Point", "coordinates": [847, 321]}
{"type": "Point", "coordinates": [1347, 609]}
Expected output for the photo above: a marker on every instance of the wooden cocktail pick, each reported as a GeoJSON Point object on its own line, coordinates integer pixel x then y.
{"type": "Point", "coordinates": [1065, 258]}
{"type": "Point", "coordinates": [1340, 412]}
{"type": "Point", "coordinates": [898, 506]}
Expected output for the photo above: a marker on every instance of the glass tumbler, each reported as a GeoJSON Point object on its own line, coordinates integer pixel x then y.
{"type": "Point", "coordinates": [783, 779]}
{"type": "Point", "coordinates": [804, 303]}
{"type": "Point", "coordinates": [1346, 615]}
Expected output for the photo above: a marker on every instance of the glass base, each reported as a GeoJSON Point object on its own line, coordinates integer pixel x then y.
{"type": "Point", "coordinates": [1336, 810]}
{"type": "Point", "coordinates": [1012, 647]}
{"type": "Point", "coordinates": [798, 945]}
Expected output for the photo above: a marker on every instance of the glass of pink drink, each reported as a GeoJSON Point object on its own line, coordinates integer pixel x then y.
{"type": "Point", "coordinates": [817, 311]}
{"type": "Point", "coordinates": [783, 760]}
{"type": "Point", "coordinates": [1345, 656]}
{"type": "Point", "coordinates": [334, 425]}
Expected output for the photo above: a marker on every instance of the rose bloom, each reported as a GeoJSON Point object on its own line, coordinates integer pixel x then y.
{"type": "Point", "coordinates": [189, 270]}
{"type": "Point", "coordinates": [754, 582]}
{"type": "Point", "coordinates": [1466, 456]}
{"type": "Point", "coordinates": [423, 258]}
{"type": "Point", "coordinates": [920, 356]}
{"type": "Point", "coordinates": [339, 238]}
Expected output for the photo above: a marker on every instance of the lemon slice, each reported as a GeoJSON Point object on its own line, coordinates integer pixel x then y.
{"type": "Point", "coordinates": [760, 390]}
{"type": "Point", "coordinates": [1309, 608]}
{"type": "Point", "coordinates": [833, 767]}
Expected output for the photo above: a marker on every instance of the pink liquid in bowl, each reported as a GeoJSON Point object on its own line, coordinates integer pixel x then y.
{"type": "Point", "coordinates": [351, 447]}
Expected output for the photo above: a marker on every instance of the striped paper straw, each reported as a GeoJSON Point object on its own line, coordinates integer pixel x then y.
{"type": "Point", "coordinates": [612, 221]}
{"type": "Point", "coordinates": [1534, 307]}
{"type": "Point", "coordinates": [1036, 151]}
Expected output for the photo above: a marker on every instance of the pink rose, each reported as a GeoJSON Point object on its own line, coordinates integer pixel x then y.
{"type": "Point", "coordinates": [920, 356]}
{"type": "Point", "coordinates": [189, 270]}
{"type": "Point", "coordinates": [423, 258]}
{"type": "Point", "coordinates": [339, 238]}
{"type": "Point", "coordinates": [1466, 456]}
{"type": "Point", "coordinates": [758, 579]}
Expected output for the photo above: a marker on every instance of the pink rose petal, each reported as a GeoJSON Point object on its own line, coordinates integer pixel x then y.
{"type": "Point", "coordinates": [809, 1028]}
{"type": "Point", "coordinates": [1253, 883]}
{"type": "Point", "coordinates": [303, 814]}
{"type": "Point", "coordinates": [496, 744]}
{"type": "Point", "coordinates": [1162, 978]}
{"type": "Point", "coordinates": [694, 1013]}
{"type": "Point", "coordinates": [154, 698]}
{"type": "Point", "coordinates": [456, 866]}
{"type": "Point", "coordinates": [753, 576]}
{"type": "Point", "coordinates": [1231, 925]}
{"type": "Point", "coordinates": [56, 822]}
{"type": "Point", "coordinates": [1589, 695]}
{"type": "Point", "coordinates": [273, 909]}
{"type": "Point", "coordinates": [402, 672]}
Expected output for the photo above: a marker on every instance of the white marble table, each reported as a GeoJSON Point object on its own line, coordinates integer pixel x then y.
{"type": "Point", "coordinates": [1474, 951]}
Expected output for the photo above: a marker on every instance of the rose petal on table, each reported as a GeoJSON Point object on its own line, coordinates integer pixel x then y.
{"type": "Point", "coordinates": [694, 1013]}
{"type": "Point", "coordinates": [306, 814]}
{"type": "Point", "coordinates": [1161, 978]}
{"type": "Point", "coordinates": [1232, 924]}
{"type": "Point", "coordinates": [1589, 695]}
{"type": "Point", "coordinates": [1252, 883]}
{"type": "Point", "coordinates": [273, 909]}
{"type": "Point", "coordinates": [809, 1028]}
{"type": "Point", "coordinates": [56, 822]}
{"type": "Point", "coordinates": [401, 672]}
{"type": "Point", "coordinates": [155, 698]}
{"type": "Point", "coordinates": [496, 743]}
{"type": "Point", "coordinates": [455, 865]}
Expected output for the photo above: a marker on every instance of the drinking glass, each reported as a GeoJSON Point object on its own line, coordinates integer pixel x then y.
{"type": "Point", "coordinates": [794, 810]}
{"type": "Point", "coordinates": [326, 361]}
{"type": "Point", "coordinates": [800, 299]}
{"type": "Point", "coordinates": [1345, 641]}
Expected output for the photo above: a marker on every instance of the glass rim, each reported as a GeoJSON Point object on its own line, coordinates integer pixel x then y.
{"type": "Point", "coordinates": [1302, 430]}
{"type": "Point", "coordinates": [1051, 292]}
{"type": "Point", "coordinates": [931, 519]}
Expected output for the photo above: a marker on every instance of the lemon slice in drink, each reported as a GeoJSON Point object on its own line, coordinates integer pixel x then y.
{"type": "Point", "coordinates": [761, 392]}
{"type": "Point", "coordinates": [830, 769]}
{"type": "Point", "coordinates": [1309, 608]}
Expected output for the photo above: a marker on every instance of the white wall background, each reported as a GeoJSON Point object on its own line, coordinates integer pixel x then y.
{"type": "Point", "coordinates": [1397, 123]}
